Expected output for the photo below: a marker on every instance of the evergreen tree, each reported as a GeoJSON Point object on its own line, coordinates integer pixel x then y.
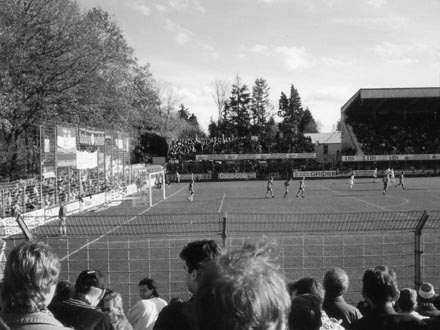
{"type": "Point", "coordinates": [183, 112]}
{"type": "Point", "coordinates": [308, 123]}
{"type": "Point", "coordinates": [238, 109]}
{"type": "Point", "coordinates": [260, 106]}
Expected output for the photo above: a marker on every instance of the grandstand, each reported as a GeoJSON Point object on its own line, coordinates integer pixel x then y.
{"type": "Point", "coordinates": [400, 126]}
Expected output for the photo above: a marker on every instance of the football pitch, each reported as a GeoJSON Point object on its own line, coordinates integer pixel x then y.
{"type": "Point", "coordinates": [128, 256]}
{"type": "Point", "coordinates": [321, 196]}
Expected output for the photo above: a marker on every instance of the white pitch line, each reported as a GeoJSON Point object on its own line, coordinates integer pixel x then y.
{"type": "Point", "coordinates": [358, 199]}
{"type": "Point", "coordinates": [221, 203]}
{"type": "Point", "coordinates": [117, 227]}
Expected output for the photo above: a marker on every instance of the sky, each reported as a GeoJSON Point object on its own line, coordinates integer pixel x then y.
{"type": "Point", "coordinates": [328, 49]}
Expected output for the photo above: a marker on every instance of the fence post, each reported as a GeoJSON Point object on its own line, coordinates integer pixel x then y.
{"type": "Point", "coordinates": [224, 228]}
{"type": "Point", "coordinates": [418, 249]}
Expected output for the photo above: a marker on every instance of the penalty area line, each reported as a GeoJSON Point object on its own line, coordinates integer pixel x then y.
{"type": "Point", "coordinates": [117, 227]}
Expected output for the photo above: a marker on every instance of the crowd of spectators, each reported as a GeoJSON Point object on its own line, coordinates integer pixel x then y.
{"type": "Point", "coordinates": [180, 148]}
{"type": "Point", "coordinates": [392, 133]}
{"type": "Point", "coordinates": [33, 194]}
{"type": "Point", "coordinates": [240, 289]}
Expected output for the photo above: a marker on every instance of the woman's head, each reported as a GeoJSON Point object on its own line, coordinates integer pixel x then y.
{"type": "Point", "coordinates": [148, 288]}
{"type": "Point", "coordinates": [113, 301]}
{"type": "Point", "coordinates": [30, 277]}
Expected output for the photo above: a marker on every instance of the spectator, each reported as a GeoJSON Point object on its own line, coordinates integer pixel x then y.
{"type": "Point", "coordinates": [310, 285]}
{"type": "Point", "coordinates": [242, 290]}
{"type": "Point", "coordinates": [179, 316]}
{"type": "Point", "coordinates": [80, 311]}
{"type": "Point", "coordinates": [407, 303]}
{"type": "Point", "coordinates": [380, 291]}
{"type": "Point", "coordinates": [62, 215]}
{"type": "Point", "coordinates": [425, 299]}
{"type": "Point", "coordinates": [29, 283]}
{"type": "Point", "coordinates": [335, 285]}
{"type": "Point", "coordinates": [363, 305]}
{"type": "Point", "coordinates": [112, 307]}
{"type": "Point", "coordinates": [305, 312]}
{"type": "Point", "coordinates": [63, 292]}
{"type": "Point", "coordinates": [144, 313]}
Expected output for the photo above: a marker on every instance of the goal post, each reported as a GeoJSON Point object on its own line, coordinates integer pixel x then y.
{"type": "Point", "coordinates": [156, 180]}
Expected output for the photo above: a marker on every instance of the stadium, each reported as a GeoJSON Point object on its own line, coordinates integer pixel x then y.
{"type": "Point", "coordinates": [133, 221]}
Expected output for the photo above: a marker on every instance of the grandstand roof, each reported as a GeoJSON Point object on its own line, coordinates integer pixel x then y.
{"type": "Point", "coordinates": [401, 99]}
{"type": "Point", "coordinates": [325, 138]}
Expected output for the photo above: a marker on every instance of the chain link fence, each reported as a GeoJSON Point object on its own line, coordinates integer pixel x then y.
{"type": "Point", "coordinates": [131, 247]}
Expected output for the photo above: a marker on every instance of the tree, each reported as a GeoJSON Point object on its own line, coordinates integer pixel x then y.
{"type": "Point", "coordinates": [338, 126]}
{"type": "Point", "coordinates": [220, 89]}
{"type": "Point", "coordinates": [260, 106]}
{"type": "Point", "coordinates": [59, 65]}
{"type": "Point", "coordinates": [237, 110]}
{"type": "Point", "coordinates": [168, 100]}
{"type": "Point", "coordinates": [183, 112]}
{"type": "Point", "coordinates": [295, 122]}
{"type": "Point", "coordinates": [308, 123]}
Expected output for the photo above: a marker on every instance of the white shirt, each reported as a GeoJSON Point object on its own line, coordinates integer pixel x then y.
{"type": "Point", "coordinates": [143, 314]}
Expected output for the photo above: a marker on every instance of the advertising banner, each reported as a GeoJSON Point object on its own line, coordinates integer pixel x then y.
{"type": "Point", "coordinates": [305, 155]}
{"type": "Point", "coordinates": [235, 176]}
{"type": "Point", "coordinates": [382, 158]}
{"type": "Point", "coordinates": [86, 160]}
{"type": "Point", "coordinates": [309, 174]}
{"type": "Point", "coordinates": [66, 146]}
{"type": "Point", "coordinates": [89, 137]}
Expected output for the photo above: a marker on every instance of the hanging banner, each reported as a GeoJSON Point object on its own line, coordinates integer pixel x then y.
{"type": "Point", "coordinates": [48, 146]}
{"type": "Point", "coordinates": [88, 137]}
{"type": "Point", "coordinates": [85, 160]}
{"type": "Point", "coordinates": [66, 146]}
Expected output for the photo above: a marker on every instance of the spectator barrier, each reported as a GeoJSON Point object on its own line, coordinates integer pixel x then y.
{"type": "Point", "coordinates": [130, 247]}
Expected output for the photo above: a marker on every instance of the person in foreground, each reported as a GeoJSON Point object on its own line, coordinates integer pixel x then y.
{"type": "Point", "coordinates": [178, 315]}
{"type": "Point", "coordinates": [380, 291]}
{"type": "Point", "coordinates": [144, 313]}
{"type": "Point", "coordinates": [80, 312]}
{"type": "Point", "coordinates": [113, 308]}
{"type": "Point", "coordinates": [335, 286]}
{"type": "Point", "coordinates": [305, 312]}
{"type": "Point", "coordinates": [29, 284]}
{"type": "Point", "coordinates": [243, 289]}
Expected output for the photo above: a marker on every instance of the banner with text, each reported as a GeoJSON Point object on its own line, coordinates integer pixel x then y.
{"type": "Point", "coordinates": [66, 146]}
{"type": "Point", "coordinates": [309, 174]}
{"type": "Point", "coordinates": [88, 137]}
{"type": "Point", "coordinates": [384, 158]}
{"type": "Point", "coordinates": [256, 156]}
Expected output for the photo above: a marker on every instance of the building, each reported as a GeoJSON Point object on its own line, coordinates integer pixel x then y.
{"type": "Point", "coordinates": [327, 147]}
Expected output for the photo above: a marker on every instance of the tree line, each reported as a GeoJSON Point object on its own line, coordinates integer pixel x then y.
{"type": "Point", "coordinates": [250, 113]}
{"type": "Point", "coordinates": [60, 64]}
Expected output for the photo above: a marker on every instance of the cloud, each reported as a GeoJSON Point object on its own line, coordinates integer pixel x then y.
{"type": "Point", "coordinates": [377, 3]}
{"type": "Point", "coordinates": [181, 5]}
{"type": "Point", "coordinates": [394, 22]}
{"type": "Point", "coordinates": [395, 53]}
{"type": "Point", "coordinates": [408, 53]}
{"type": "Point", "coordinates": [295, 58]}
{"type": "Point", "coordinates": [184, 36]}
{"type": "Point", "coordinates": [140, 7]}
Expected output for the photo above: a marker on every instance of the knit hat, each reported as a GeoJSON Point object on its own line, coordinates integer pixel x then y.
{"type": "Point", "coordinates": [88, 278]}
{"type": "Point", "coordinates": [427, 291]}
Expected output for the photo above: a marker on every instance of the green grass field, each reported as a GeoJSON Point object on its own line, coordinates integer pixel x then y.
{"type": "Point", "coordinates": [127, 255]}
{"type": "Point", "coordinates": [322, 196]}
